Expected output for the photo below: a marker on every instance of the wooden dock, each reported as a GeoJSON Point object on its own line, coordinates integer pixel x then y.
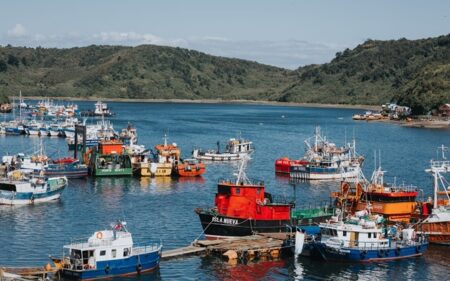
{"type": "Point", "coordinates": [249, 247]}
{"type": "Point", "coordinates": [179, 252]}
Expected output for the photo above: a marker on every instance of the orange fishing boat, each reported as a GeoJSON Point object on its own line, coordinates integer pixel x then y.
{"type": "Point", "coordinates": [395, 203]}
{"type": "Point", "coordinates": [189, 168]}
{"type": "Point", "coordinates": [169, 153]}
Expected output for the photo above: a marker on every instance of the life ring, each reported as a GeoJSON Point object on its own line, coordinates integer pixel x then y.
{"type": "Point", "coordinates": [99, 235]}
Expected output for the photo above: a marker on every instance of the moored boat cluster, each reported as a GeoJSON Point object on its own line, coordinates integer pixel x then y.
{"type": "Point", "coordinates": [365, 219]}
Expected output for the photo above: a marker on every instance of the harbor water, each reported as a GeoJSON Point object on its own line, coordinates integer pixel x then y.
{"type": "Point", "coordinates": [163, 208]}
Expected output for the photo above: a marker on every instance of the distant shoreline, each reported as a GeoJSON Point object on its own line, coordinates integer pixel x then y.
{"type": "Point", "coordinates": [213, 101]}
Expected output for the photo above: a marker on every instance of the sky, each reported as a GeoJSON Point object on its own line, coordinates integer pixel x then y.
{"type": "Point", "coordinates": [284, 33]}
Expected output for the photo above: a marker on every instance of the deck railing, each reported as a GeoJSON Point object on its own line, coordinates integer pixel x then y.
{"type": "Point", "coordinates": [252, 182]}
{"type": "Point", "coordinates": [440, 164]}
{"type": "Point", "coordinates": [378, 245]}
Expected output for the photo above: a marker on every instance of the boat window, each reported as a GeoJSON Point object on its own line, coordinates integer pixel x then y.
{"type": "Point", "coordinates": [369, 235]}
{"type": "Point", "coordinates": [113, 253]}
{"type": "Point", "coordinates": [125, 252]}
{"type": "Point", "coordinates": [223, 189]}
{"type": "Point", "coordinates": [334, 232]}
{"type": "Point", "coordinates": [344, 233]}
{"type": "Point", "coordinates": [8, 187]}
{"type": "Point", "coordinates": [103, 252]}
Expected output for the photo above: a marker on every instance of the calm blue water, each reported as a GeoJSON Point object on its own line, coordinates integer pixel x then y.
{"type": "Point", "coordinates": [164, 208]}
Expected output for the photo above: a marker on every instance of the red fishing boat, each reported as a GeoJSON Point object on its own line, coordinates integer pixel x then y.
{"type": "Point", "coordinates": [189, 168]}
{"type": "Point", "coordinates": [283, 165]}
{"type": "Point", "coordinates": [244, 208]}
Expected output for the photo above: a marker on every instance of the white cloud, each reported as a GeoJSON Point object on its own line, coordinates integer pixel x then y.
{"type": "Point", "coordinates": [17, 31]}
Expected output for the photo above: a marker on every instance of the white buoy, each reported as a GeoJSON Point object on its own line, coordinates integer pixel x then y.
{"type": "Point", "coordinates": [299, 241]}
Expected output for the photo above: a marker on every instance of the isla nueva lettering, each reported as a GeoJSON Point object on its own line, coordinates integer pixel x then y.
{"type": "Point", "coordinates": [224, 220]}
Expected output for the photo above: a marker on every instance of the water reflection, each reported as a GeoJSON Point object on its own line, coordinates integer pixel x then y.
{"type": "Point", "coordinates": [250, 271]}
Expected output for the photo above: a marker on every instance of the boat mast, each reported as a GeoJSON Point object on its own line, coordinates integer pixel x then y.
{"type": "Point", "coordinates": [20, 106]}
{"type": "Point", "coordinates": [241, 175]}
{"type": "Point", "coordinates": [438, 166]}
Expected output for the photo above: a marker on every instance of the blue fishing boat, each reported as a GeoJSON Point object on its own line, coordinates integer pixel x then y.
{"type": "Point", "coordinates": [109, 253]}
{"type": "Point", "coordinates": [359, 239]}
{"type": "Point", "coordinates": [69, 170]}
{"type": "Point", "coordinates": [18, 190]}
{"type": "Point", "coordinates": [13, 128]}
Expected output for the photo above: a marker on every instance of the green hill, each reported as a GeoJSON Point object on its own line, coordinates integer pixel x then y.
{"type": "Point", "coordinates": [145, 71]}
{"type": "Point", "coordinates": [414, 73]}
{"type": "Point", "coordinates": [411, 72]}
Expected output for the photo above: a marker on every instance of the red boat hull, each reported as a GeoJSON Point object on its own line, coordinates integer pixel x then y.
{"type": "Point", "coordinates": [283, 165]}
{"type": "Point", "coordinates": [184, 170]}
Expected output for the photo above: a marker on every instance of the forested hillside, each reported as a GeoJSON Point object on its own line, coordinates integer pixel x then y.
{"type": "Point", "coordinates": [411, 72]}
{"type": "Point", "coordinates": [414, 73]}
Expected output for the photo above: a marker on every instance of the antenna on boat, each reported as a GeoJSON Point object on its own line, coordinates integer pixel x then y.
{"type": "Point", "coordinates": [345, 136]}
{"type": "Point", "coordinates": [379, 158]}
{"type": "Point", "coordinates": [443, 149]}
{"type": "Point", "coordinates": [165, 139]}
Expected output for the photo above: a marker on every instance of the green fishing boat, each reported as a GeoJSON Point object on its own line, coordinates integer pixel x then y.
{"type": "Point", "coordinates": [109, 160]}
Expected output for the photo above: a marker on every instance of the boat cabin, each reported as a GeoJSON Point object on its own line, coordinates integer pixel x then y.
{"type": "Point", "coordinates": [239, 146]}
{"type": "Point", "coordinates": [354, 233]}
{"type": "Point", "coordinates": [110, 147]}
{"type": "Point", "coordinates": [102, 246]}
{"type": "Point", "coordinates": [249, 201]}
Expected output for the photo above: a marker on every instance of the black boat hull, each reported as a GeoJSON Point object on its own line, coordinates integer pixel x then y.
{"type": "Point", "coordinates": [218, 226]}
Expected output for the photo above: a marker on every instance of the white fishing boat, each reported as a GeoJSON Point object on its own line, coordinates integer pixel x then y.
{"type": "Point", "coordinates": [17, 189]}
{"type": "Point", "coordinates": [235, 150]}
{"type": "Point", "coordinates": [54, 130]}
{"type": "Point", "coordinates": [109, 253]}
{"type": "Point", "coordinates": [437, 225]}
{"type": "Point", "coordinates": [361, 239]}
{"type": "Point", "coordinates": [101, 109]}
{"type": "Point", "coordinates": [324, 160]}
{"type": "Point", "coordinates": [33, 128]}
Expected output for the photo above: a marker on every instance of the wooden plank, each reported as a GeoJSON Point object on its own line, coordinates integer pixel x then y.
{"type": "Point", "coordinates": [206, 243]}
{"type": "Point", "coordinates": [189, 250]}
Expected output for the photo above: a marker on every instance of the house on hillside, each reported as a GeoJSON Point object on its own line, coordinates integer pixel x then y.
{"type": "Point", "coordinates": [395, 111]}
{"type": "Point", "coordinates": [444, 110]}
